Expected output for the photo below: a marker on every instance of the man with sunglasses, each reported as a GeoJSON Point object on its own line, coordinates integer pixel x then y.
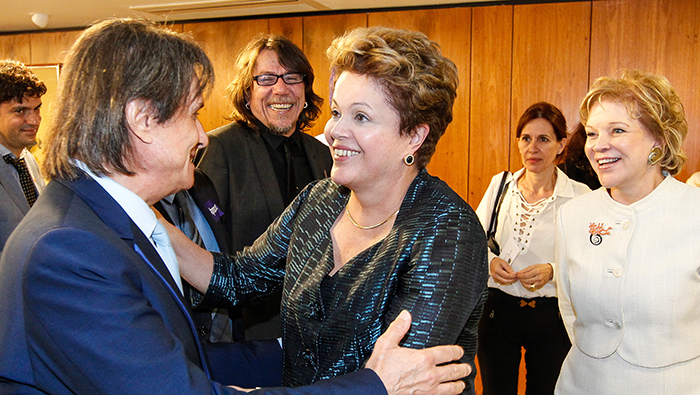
{"type": "Point", "coordinates": [263, 159]}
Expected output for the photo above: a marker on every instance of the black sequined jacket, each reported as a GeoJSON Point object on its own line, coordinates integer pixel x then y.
{"type": "Point", "coordinates": [432, 263]}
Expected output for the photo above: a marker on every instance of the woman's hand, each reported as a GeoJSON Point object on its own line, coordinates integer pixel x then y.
{"type": "Point", "coordinates": [536, 276]}
{"type": "Point", "coordinates": [502, 273]}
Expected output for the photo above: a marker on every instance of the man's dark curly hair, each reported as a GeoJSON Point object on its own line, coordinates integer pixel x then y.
{"type": "Point", "coordinates": [16, 81]}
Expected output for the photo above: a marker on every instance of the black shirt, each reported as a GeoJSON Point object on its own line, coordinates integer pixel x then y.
{"type": "Point", "coordinates": [275, 145]}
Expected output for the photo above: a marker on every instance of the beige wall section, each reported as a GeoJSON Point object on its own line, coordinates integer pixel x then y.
{"type": "Point", "coordinates": [292, 28]}
{"type": "Point", "coordinates": [16, 46]}
{"type": "Point", "coordinates": [508, 58]}
{"type": "Point", "coordinates": [222, 41]}
{"type": "Point", "coordinates": [51, 48]}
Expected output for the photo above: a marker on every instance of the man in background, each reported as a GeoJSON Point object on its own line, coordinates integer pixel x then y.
{"type": "Point", "coordinates": [92, 301]}
{"type": "Point", "coordinates": [263, 159]}
{"type": "Point", "coordinates": [20, 116]}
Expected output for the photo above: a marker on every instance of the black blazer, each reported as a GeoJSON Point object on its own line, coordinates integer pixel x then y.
{"type": "Point", "coordinates": [238, 163]}
{"type": "Point", "coordinates": [204, 196]}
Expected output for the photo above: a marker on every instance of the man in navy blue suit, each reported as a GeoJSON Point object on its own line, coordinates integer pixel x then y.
{"type": "Point", "coordinates": [91, 295]}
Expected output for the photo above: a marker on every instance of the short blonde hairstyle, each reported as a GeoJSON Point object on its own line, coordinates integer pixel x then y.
{"type": "Point", "coordinates": [650, 99]}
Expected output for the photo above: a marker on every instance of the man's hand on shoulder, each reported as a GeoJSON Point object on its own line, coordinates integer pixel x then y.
{"type": "Point", "coordinates": [409, 371]}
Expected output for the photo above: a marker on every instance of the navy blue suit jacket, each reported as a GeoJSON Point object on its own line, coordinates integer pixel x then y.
{"type": "Point", "coordinates": [264, 357]}
{"type": "Point", "coordinates": [88, 307]}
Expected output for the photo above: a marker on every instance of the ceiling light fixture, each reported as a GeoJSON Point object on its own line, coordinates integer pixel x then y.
{"type": "Point", "coordinates": [41, 20]}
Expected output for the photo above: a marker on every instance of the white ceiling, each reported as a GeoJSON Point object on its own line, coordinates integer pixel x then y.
{"type": "Point", "coordinates": [16, 15]}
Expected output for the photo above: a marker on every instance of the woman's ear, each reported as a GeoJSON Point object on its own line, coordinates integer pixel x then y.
{"type": "Point", "coordinates": [661, 144]}
{"type": "Point", "coordinates": [139, 120]}
{"type": "Point", "coordinates": [562, 145]}
{"type": "Point", "coordinates": [418, 136]}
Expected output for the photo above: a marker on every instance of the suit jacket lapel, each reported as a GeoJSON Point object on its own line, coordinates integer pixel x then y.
{"type": "Point", "coordinates": [151, 255]}
{"type": "Point", "coordinates": [318, 168]}
{"type": "Point", "coordinates": [112, 214]}
{"type": "Point", "coordinates": [14, 189]}
{"type": "Point", "coordinates": [266, 173]}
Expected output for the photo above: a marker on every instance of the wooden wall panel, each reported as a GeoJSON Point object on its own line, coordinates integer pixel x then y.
{"type": "Point", "coordinates": [292, 28]}
{"type": "Point", "coordinates": [176, 27]}
{"type": "Point", "coordinates": [546, 57]}
{"type": "Point", "coordinates": [319, 32]}
{"type": "Point", "coordinates": [489, 139]}
{"type": "Point", "coordinates": [49, 48]}
{"type": "Point", "coordinates": [451, 29]}
{"type": "Point", "coordinates": [16, 47]}
{"type": "Point", "coordinates": [667, 43]}
{"type": "Point", "coordinates": [222, 41]}
{"type": "Point", "coordinates": [550, 60]}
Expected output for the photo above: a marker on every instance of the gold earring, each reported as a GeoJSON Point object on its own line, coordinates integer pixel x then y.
{"type": "Point", "coordinates": [654, 156]}
{"type": "Point", "coordinates": [409, 160]}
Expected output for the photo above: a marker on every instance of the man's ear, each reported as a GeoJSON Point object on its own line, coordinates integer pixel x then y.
{"type": "Point", "coordinates": [246, 99]}
{"type": "Point", "coordinates": [139, 120]}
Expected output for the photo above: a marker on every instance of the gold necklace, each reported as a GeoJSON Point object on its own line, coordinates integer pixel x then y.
{"type": "Point", "coordinates": [352, 221]}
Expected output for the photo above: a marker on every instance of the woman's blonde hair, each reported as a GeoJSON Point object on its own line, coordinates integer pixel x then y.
{"type": "Point", "coordinates": [650, 99]}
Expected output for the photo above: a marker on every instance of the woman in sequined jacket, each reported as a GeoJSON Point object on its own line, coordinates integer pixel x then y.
{"type": "Point", "coordinates": [381, 235]}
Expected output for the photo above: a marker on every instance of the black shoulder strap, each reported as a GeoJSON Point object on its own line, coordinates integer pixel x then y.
{"type": "Point", "coordinates": [497, 206]}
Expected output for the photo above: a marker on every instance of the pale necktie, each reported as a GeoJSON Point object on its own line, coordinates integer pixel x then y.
{"type": "Point", "coordinates": [165, 249]}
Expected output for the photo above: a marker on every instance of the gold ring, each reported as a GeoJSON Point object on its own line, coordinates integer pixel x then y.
{"type": "Point", "coordinates": [532, 287]}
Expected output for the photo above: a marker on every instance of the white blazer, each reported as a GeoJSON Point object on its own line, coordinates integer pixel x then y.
{"type": "Point", "coordinates": [629, 276]}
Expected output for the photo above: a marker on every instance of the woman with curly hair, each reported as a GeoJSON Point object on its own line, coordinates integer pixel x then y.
{"type": "Point", "coordinates": [628, 278]}
{"type": "Point", "coordinates": [379, 236]}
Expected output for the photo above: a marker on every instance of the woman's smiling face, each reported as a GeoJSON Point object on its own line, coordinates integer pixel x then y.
{"type": "Point", "coordinates": [363, 133]}
{"type": "Point", "coordinates": [618, 147]}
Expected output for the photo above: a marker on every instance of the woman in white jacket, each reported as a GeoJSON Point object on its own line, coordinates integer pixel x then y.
{"type": "Point", "coordinates": [521, 309]}
{"type": "Point", "coordinates": [629, 253]}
